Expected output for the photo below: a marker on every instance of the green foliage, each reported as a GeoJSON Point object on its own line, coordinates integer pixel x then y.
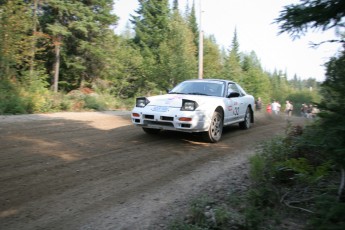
{"type": "Point", "coordinates": [330, 214]}
{"type": "Point", "coordinates": [24, 97]}
{"type": "Point", "coordinates": [71, 43]}
{"type": "Point", "coordinates": [205, 214]}
{"type": "Point", "coordinates": [298, 175]}
{"type": "Point", "coordinates": [151, 24]}
{"type": "Point", "coordinates": [10, 100]}
{"type": "Point", "coordinates": [14, 40]}
{"type": "Point", "coordinates": [296, 19]}
{"type": "Point", "coordinates": [332, 127]}
{"type": "Point", "coordinates": [232, 67]}
{"type": "Point", "coordinates": [198, 207]}
{"type": "Point", "coordinates": [212, 59]}
{"type": "Point", "coordinates": [285, 167]}
{"type": "Point", "coordinates": [304, 171]}
{"type": "Point", "coordinates": [95, 103]}
{"type": "Point", "coordinates": [177, 54]}
{"type": "Point", "coordinates": [193, 25]}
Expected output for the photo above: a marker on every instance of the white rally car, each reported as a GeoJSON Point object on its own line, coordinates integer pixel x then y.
{"type": "Point", "coordinates": [202, 105]}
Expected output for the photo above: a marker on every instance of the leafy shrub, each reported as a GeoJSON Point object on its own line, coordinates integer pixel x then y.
{"type": "Point", "coordinates": [94, 102]}
{"type": "Point", "coordinates": [330, 214]}
{"type": "Point", "coordinates": [11, 101]}
{"type": "Point", "coordinates": [204, 213]}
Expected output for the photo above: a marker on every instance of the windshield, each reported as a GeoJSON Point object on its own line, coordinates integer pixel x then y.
{"type": "Point", "coordinates": [206, 88]}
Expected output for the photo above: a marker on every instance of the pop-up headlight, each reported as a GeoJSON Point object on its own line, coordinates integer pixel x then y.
{"type": "Point", "coordinates": [188, 105]}
{"type": "Point", "coordinates": [141, 102]}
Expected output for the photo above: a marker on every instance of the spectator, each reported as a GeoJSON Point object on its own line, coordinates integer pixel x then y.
{"type": "Point", "coordinates": [309, 111]}
{"type": "Point", "coordinates": [314, 112]}
{"type": "Point", "coordinates": [275, 107]}
{"type": "Point", "coordinates": [258, 104]}
{"type": "Point", "coordinates": [278, 108]}
{"type": "Point", "coordinates": [304, 110]}
{"type": "Point", "coordinates": [288, 108]}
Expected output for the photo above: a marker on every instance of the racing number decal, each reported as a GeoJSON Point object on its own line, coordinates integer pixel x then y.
{"type": "Point", "coordinates": [236, 111]}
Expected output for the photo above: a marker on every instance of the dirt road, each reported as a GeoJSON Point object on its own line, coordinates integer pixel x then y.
{"type": "Point", "coordinates": [95, 170]}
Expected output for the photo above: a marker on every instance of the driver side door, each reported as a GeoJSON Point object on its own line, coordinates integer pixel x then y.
{"type": "Point", "coordinates": [234, 107]}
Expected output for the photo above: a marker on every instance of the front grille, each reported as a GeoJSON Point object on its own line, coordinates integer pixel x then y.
{"type": "Point", "coordinates": [163, 118]}
{"type": "Point", "coordinates": [160, 123]}
{"type": "Point", "coordinates": [149, 116]}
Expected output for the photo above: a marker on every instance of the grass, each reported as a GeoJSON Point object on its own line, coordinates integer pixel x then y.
{"type": "Point", "coordinates": [293, 185]}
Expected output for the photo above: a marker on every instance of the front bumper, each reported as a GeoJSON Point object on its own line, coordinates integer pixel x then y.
{"type": "Point", "coordinates": [198, 121]}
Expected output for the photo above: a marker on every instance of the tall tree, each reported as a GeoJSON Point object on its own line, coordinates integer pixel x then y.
{"type": "Point", "coordinates": [255, 81]}
{"type": "Point", "coordinates": [193, 25]}
{"type": "Point", "coordinates": [151, 24]}
{"type": "Point", "coordinates": [280, 86]}
{"type": "Point", "coordinates": [178, 61]}
{"type": "Point", "coordinates": [232, 66]}
{"type": "Point", "coordinates": [212, 58]}
{"type": "Point", "coordinates": [325, 14]}
{"type": "Point", "coordinates": [76, 29]}
{"type": "Point", "coordinates": [15, 18]}
{"type": "Point", "coordinates": [124, 71]}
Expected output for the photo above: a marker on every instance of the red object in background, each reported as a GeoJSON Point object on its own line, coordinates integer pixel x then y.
{"type": "Point", "coordinates": [269, 109]}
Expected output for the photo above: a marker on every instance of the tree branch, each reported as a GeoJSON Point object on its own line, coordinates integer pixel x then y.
{"type": "Point", "coordinates": [315, 45]}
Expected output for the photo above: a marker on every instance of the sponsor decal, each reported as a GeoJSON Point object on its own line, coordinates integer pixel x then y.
{"type": "Point", "coordinates": [160, 108]}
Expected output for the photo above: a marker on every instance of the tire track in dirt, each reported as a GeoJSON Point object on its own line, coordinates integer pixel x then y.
{"type": "Point", "coordinates": [102, 173]}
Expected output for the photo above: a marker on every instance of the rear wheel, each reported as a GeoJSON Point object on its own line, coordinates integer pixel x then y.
{"type": "Point", "coordinates": [151, 131]}
{"type": "Point", "coordinates": [215, 130]}
{"type": "Point", "coordinates": [246, 123]}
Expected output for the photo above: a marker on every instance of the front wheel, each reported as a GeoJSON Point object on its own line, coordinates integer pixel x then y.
{"type": "Point", "coordinates": [215, 130]}
{"type": "Point", "coordinates": [246, 123]}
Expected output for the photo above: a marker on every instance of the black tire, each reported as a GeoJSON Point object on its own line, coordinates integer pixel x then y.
{"type": "Point", "coordinates": [151, 131]}
{"type": "Point", "coordinates": [246, 123]}
{"type": "Point", "coordinates": [215, 130]}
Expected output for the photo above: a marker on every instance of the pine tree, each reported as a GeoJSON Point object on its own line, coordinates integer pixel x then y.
{"type": "Point", "coordinates": [212, 58]}
{"type": "Point", "coordinates": [178, 61]}
{"type": "Point", "coordinates": [151, 24]}
{"type": "Point", "coordinates": [76, 29]}
{"type": "Point", "coordinates": [255, 81]}
{"type": "Point", "coordinates": [14, 41]}
{"type": "Point", "coordinates": [232, 66]}
{"type": "Point", "coordinates": [193, 25]}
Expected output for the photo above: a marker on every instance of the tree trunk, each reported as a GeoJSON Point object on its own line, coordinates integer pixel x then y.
{"type": "Point", "coordinates": [57, 44]}
{"type": "Point", "coordinates": [34, 31]}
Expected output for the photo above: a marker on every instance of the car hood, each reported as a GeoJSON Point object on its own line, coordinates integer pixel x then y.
{"type": "Point", "coordinates": [175, 100]}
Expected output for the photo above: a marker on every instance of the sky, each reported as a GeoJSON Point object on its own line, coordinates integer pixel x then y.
{"type": "Point", "coordinates": [253, 21]}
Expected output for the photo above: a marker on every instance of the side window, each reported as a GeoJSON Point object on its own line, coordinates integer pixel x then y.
{"type": "Point", "coordinates": [233, 88]}
{"type": "Point", "coordinates": [241, 90]}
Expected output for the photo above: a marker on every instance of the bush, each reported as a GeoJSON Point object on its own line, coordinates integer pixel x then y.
{"type": "Point", "coordinates": [11, 101]}
{"type": "Point", "coordinates": [330, 214]}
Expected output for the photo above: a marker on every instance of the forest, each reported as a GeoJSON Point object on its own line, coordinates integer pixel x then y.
{"type": "Point", "coordinates": [63, 55]}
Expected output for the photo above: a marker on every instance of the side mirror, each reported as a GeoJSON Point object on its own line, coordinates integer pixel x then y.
{"type": "Point", "coordinates": [233, 94]}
